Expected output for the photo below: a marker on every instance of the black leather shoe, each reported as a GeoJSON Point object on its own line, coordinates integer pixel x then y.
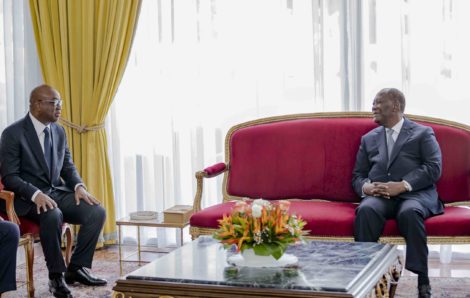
{"type": "Point", "coordinates": [84, 277]}
{"type": "Point", "coordinates": [58, 288]}
{"type": "Point", "coordinates": [424, 291]}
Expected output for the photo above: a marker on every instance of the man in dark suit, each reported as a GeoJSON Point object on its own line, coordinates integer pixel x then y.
{"type": "Point", "coordinates": [9, 238]}
{"type": "Point", "coordinates": [35, 163]}
{"type": "Point", "coordinates": [396, 169]}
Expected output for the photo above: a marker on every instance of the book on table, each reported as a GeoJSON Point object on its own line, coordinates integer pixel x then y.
{"type": "Point", "coordinates": [178, 214]}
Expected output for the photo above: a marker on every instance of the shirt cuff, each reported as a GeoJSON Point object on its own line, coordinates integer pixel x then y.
{"type": "Point", "coordinates": [363, 193]}
{"type": "Point", "coordinates": [35, 195]}
{"type": "Point", "coordinates": [407, 185]}
{"type": "Point", "coordinates": [79, 184]}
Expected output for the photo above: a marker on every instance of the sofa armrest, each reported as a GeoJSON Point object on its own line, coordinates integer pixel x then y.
{"type": "Point", "coordinates": [215, 170]}
{"type": "Point", "coordinates": [208, 172]}
{"type": "Point", "coordinates": [8, 197]}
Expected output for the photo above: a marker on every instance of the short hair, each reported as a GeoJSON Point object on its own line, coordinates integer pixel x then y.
{"type": "Point", "coordinates": [396, 95]}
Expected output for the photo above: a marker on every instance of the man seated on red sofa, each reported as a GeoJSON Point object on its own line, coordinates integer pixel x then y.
{"type": "Point", "coordinates": [397, 167]}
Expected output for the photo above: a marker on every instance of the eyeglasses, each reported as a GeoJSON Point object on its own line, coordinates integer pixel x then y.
{"type": "Point", "coordinates": [57, 102]}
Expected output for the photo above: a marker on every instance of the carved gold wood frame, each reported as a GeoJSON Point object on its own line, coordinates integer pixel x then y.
{"type": "Point", "coordinates": [195, 231]}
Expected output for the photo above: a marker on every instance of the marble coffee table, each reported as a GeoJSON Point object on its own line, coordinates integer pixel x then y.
{"type": "Point", "coordinates": [325, 269]}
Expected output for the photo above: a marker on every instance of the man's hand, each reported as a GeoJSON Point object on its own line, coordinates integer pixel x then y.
{"type": "Point", "coordinates": [44, 201]}
{"type": "Point", "coordinates": [1, 218]}
{"type": "Point", "coordinates": [82, 194]}
{"type": "Point", "coordinates": [395, 188]}
{"type": "Point", "coordinates": [376, 189]}
{"type": "Point", "coordinates": [384, 189]}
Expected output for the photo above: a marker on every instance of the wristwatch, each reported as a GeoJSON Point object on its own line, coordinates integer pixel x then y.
{"type": "Point", "coordinates": [407, 185]}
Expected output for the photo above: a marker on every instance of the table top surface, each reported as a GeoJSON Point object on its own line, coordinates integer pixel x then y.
{"type": "Point", "coordinates": [158, 222]}
{"type": "Point", "coordinates": [340, 267]}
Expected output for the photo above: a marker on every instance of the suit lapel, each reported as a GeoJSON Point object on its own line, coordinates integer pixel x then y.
{"type": "Point", "coordinates": [33, 140]}
{"type": "Point", "coordinates": [403, 136]}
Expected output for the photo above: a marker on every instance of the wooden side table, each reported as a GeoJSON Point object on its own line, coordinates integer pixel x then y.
{"type": "Point", "coordinates": [155, 223]}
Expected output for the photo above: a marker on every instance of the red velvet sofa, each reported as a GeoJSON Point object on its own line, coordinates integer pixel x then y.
{"type": "Point", "coordinates": [309, 158]}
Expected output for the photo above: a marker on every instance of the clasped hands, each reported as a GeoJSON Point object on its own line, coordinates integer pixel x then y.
{"type": "Point", "coordinates": [45, 202]}
{"type": "Point", "coordinates": [384, 189]}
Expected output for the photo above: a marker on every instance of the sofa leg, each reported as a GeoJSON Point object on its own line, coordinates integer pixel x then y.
{"type": "Point", "coordinates": [194, 233]}
{"type": "Point", "coordinates": [445, 253]}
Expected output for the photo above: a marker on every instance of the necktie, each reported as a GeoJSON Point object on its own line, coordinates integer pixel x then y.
{"type": "Point", "coordinates": [48, 148]}
{"type": "Point", "coordinates": [390, 142]}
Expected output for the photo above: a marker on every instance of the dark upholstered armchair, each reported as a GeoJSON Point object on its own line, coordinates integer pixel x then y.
{"type": "Point", "coordinates": [29, 232]}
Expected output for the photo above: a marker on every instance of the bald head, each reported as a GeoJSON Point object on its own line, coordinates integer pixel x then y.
{"type": "Point", "coordinates": [394, 95]}
{"type": "Point", "coordinates": [388, 107]}
{"type": "Point", "coordinates": [45, 104]}
{"type": "Point", "coordinates": [40, 92]}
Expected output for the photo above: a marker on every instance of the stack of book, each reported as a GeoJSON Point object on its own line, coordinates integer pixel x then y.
{"type": "Point", "coordinates": [178, 214]}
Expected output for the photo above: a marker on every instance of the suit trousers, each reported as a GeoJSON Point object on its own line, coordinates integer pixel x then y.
{"type": "Point", "coordinates": [372, 214]}
{"type": "Point", "coordinates": [9, 238]}
{"type": "Point", "coordinates": [90, 218]}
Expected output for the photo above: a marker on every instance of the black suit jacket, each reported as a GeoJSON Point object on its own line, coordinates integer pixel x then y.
{"type": "Point", "coordinates": [23, 167]}
{"type": "Point", "coordinates": [416, 158]}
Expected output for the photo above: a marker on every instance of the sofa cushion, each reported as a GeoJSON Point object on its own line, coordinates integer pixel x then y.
{"type": "Point", "coordinates": [207, 217]}
{"type": "Point", "coordinates": [454, 184]}
{"type": "Point", "coordinates": [301, 158]}
{"type": "Point", "coordinates": [335, 219]}
{"type": "Point", "coordinates": [454, 222]}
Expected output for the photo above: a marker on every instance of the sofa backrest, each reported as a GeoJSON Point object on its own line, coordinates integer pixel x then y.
{"type": "Point", "coordinates": [311, 156]}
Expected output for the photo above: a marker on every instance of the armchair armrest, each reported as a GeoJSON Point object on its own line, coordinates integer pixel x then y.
{"type": "Point", "coordinates": [215, 170]}
{"type": "Point", "coordinates": [208, 172]}
{"type": "Point", "coordinates": [8, 197]}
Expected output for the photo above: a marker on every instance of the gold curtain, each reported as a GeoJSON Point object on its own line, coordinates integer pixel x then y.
{"type": "Point", "coordinates": [83, 47]}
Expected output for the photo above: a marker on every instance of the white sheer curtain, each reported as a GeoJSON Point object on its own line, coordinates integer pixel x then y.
{"type": "Point", "coordinates": [199, 67]}
{"type": "Point", "coordinates": [422, 48]}
{"type": "Point", "coordinates": [19, 64]}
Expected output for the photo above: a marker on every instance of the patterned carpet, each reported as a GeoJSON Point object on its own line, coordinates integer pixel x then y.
{"type": "Point", "coordinates": [442, 287]}
{"type": "Point", "coordinates": [107, 266]}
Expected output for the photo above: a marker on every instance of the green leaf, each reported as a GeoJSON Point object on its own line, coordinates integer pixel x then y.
{"type": "Point", "coordinates": [245, 246]}
{"type": "Point", "coordinates": [277, 251]}
{"type": "Point", "coordinates": [262, 250]}
{"type": "Point", "coordinates": [270, 249]}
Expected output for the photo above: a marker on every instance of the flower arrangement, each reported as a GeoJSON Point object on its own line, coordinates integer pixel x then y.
{"type": "Point", "coordinates": [265, 227]}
